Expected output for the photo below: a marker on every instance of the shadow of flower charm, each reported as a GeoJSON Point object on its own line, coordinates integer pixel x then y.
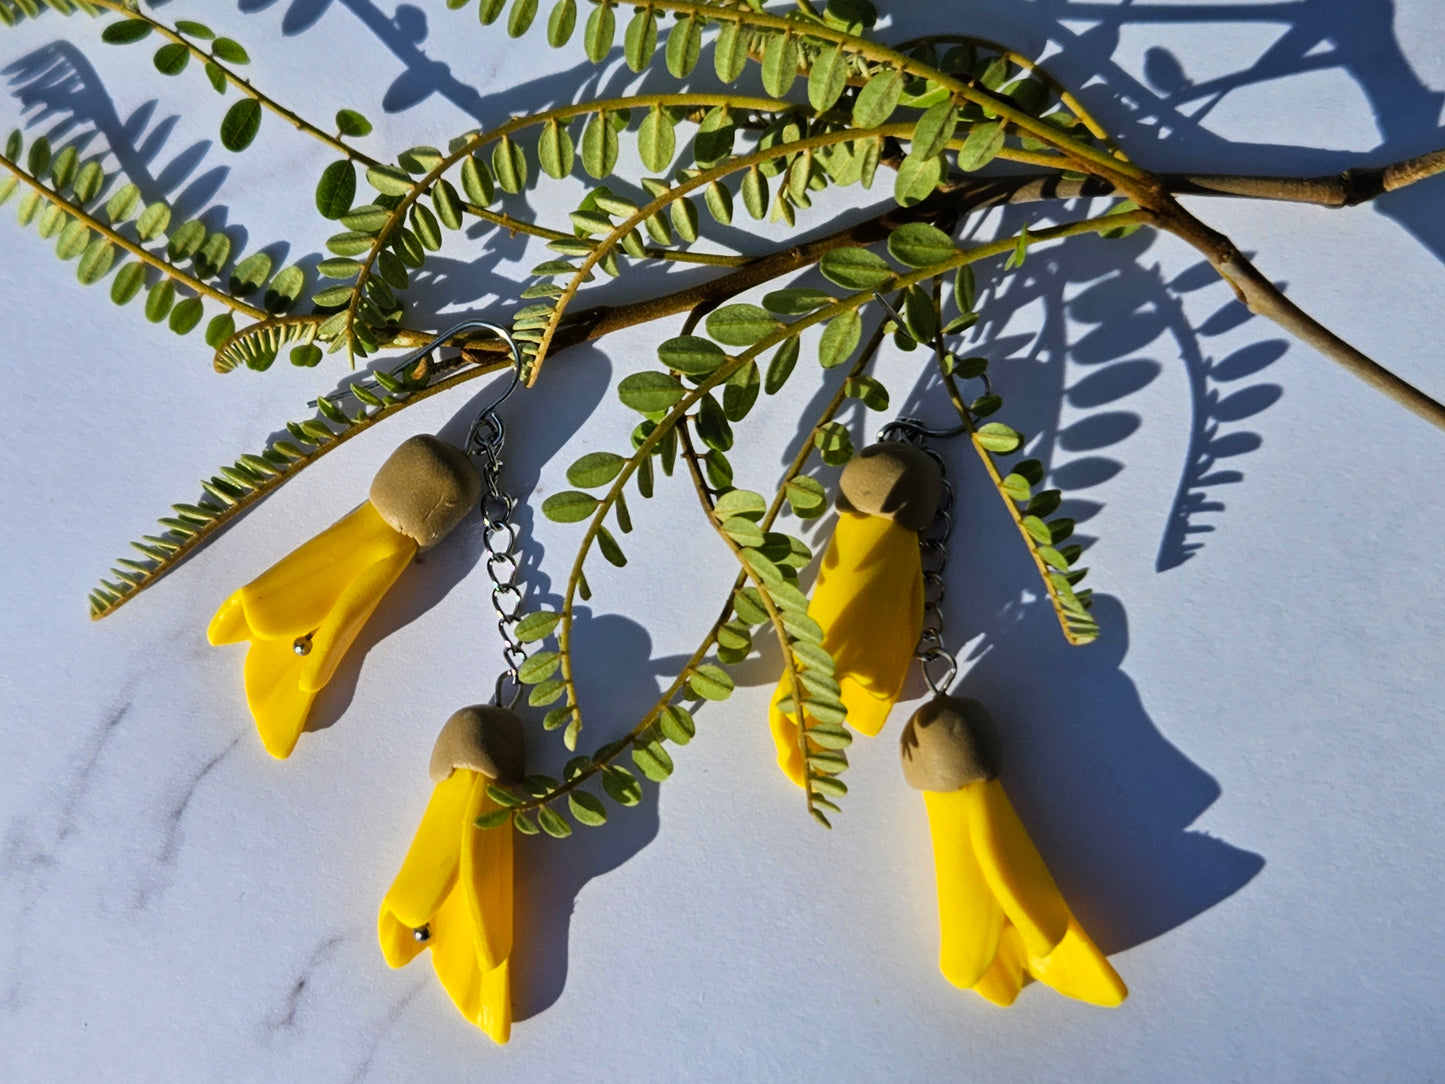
{"type": "Point", "coordinates": [869, 595]}
{"type": "Point", "coordinates": [454, 892]}
{"type": "Point", "coordinates": [1000, 915]}
{"type": "Point", "coordinates": [302, 614]}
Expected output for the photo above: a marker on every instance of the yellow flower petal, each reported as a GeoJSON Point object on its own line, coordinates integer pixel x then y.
{"type": "Point", "coordinates": [485, 879]}
{"type": "Point", "coordinates": [869, 600]}
{"type": "Point", "coordinates": [229, 625]}
{"type": "Point", "coordinates": [495, 1009]}
{"type": "Point", "coordinates": [350, 611]}
{"type": "Point", "coordinates": [399, 945]}
{"type": "Point", "coordinates": [970, 922]}
{"type": "Point", "coordinates": [1004, 978]}
{"type": "Point", "coordinates": [430, 868]}
{"type": "Point", "coordinates": [785, 734]}
{"type": "Point", "coordinates": [1014, 869]}
{"type": "Point", "coordinates": [277, 702]}
{"type": "Point", "coordinates": [295, 594]}
{"type": "Point", "coordinates": [1076, 968]}
{"type": "Point", "coordinates": [484, 997]}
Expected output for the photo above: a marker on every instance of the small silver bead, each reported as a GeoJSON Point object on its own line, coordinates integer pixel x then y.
{"type": "Point", "coordinates": [302, 645]}
{"type": "Point", "coordinates": [422, 933]}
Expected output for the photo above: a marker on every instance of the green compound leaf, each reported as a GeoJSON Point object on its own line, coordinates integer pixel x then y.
{"type": "Point", "coordinates": [684, 46]}
{"type": "Point", "coordinates": [999, 438]}
{"type": "Point", "coordinates": [351, 123]}
{"type": "Point", "coordinates": [495, 819]}
{"type": "Point", "coordinates": [477, 181]}
{"type": "Point", "coordinates": [336, 189]}
{"type": "Point", "coordinates": [569, 506]}
{"type": "Point", "coordinates": [125, 32]}
{"type": "Point", "coordinates": [807, 497]}
{"type": "Point", "coordinates": [918, 244]}
{"type": "Point", "coordinates": [599, 145]}
{"type": "Point", "coordinates": [561, 23]}
{"type": "Point", "coordinates": [172, 59]}
{"type": "Point", "coordinates": [839, 339]}
{"type": "Point", "coordinates": [676, 724]}
{"type": "Point", "coordinates": [640, 40]}
{"type": "Point", "coordinates": [934, 129]}
{"type": "Point", "coordinates": [240, 124]}
{"type": "Point", "coordinates": [878, 99]}
{"type": "Point", "coordinates": [552, 823]}
{"type": "Point", "coordinates": [229, 51]}
{"type": "Point", "coordinates": [652, 760]}
{"type": "Point", "coordinates": [917, 178]}
{"type": "Point", "coordinates": [781, 366]}
{"type": "Point", "coordinates": [827, 78]}
{"type": "Point", "coordinates": [586, 808]}
{"type": "Point", "coordinates": [649, 392]}
{"type": "Point", "coordinates": [539, 667]}
{"type": "Point", "coordinates": [656, 140]}
{"type": "Point", "coordinates": [520, 20]}
{"type": "Point", "coordinates": [536, 626]}
{"type": "Point", "coordinates": [780, 64]}
{"type": "Point", "coordinates": [710, 682]}
{"type": "Point", "coordinates": [621, 785]}
{"type": "Point", "coordinates": [555, 151]}
{"type": "Point", "coordinates": [595, 469]}
{"type": "Point", "coordinates": [509, 165]}
{"type": "Point", "coordinates": [597, 38]}
{"type": "Point", "coordinates": [691, 355]}
{"type": "Point", "coordinates": [95, 262]}
{"type": "Point", "coordinates": [740, 325]}
{"type": "Point", "coordinates": [855, 268]}
{"type": "Point", "coordinates": [982, 146]}
{"type": "Point", "coordinates": [248, 275]}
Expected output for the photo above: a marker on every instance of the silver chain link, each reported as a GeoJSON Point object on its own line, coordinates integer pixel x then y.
{"type": "Point", "coordinates": [933, 547]}
{"type": "Point", "coordinates": [500, 536]}
{"type": "Point", "coordinates": [501, 539]}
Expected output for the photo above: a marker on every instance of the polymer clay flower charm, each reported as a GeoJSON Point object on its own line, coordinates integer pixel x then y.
{"type": "Point", "coordinates": [1000, 914]}
{"type": "Point", "coordinates": [302, 614]}
{"type": "Point", "coordinates": [869, 595]}
{"type": "Point", "coordinates": [454, 892]}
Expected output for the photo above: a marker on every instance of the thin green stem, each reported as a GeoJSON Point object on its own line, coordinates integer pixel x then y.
{"type": "Point", "coordinates": [120, 241]}
{"type": "Point", "coordinates": [243, 85]}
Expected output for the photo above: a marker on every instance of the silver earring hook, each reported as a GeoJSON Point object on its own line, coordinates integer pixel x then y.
{"type": "Point", "coordinates": [399, 370]}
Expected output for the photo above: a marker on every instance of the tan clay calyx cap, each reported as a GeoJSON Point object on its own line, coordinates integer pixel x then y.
{"type": "Point", "coordinates": [894, 480]}
{"type": "Point", "coordinates": [425, 489]}
{"type": "Point", "coordinates": [949, 743]}
{"type": "Point", "coordinates": [482, 738]}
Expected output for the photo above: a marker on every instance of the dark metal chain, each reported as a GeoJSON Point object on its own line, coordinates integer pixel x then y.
{"type": "Point", "coordinates": [933, 546]}
{"type": "Point", "coordinates": [501, 539]}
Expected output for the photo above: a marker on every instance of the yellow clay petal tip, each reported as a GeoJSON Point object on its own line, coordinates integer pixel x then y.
{"type": "Point", "coordinates": [1076, 968]}
{"type": "Point", "coordinates": [785, 739]}
{"type": "Point", "coordinates": [229, 625]}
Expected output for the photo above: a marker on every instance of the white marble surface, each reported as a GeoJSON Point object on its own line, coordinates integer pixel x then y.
{"type": "Point", "coordinates": [1238, 787]}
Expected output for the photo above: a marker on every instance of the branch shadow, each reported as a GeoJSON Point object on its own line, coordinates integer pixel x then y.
{"type": "Point", "coordinates": [1161, 119]}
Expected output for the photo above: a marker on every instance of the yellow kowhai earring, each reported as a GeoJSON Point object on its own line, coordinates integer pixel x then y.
{"type": "Point", "coordinates": [454, 892]}
{"type": "Point", "coordinates": [869, 595]}
{"type": "Point", "coordinates": [1001, 917]}
{"type": "Point", "coordinates": [301, 615]}
{"type": "Point", "coordinates": [1000, 914]}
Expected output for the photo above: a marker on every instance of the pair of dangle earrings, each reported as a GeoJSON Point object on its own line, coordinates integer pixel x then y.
{"type": "Point", "coordinates": [454, 893]}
